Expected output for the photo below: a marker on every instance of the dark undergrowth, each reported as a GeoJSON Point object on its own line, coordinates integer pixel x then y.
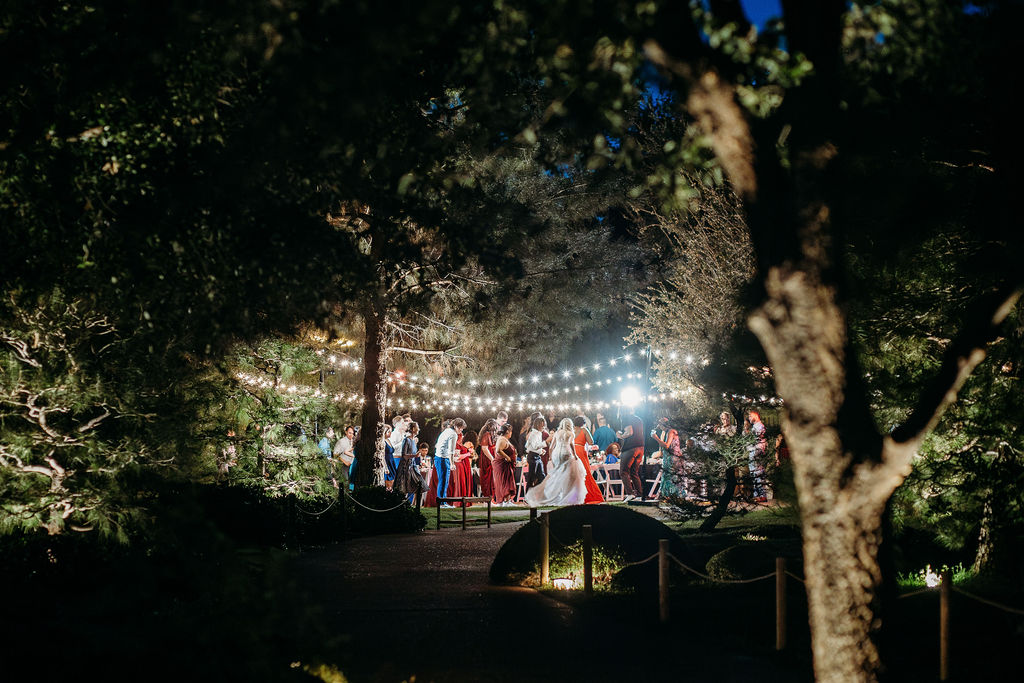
{"type": "Point", "coordinates": [205, 592]}
{"type": "Point", "coordinates": [734, 623]}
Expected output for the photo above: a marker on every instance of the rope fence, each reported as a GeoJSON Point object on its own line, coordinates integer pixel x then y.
{"type": "Point", "coordinates": [709, 578]}
{"type": "Point", "coordinates": [316, 514]}
{"type": "Point", "coordinates": [993, 603]}
{"type": "Point", "coordinates": [663, 555]}
{"type": "Point", "coordinates": [639, 562]}
{"type": "Point", "coordinates": [367, 507]}
{"type": "Point", "coordinates": [794, 576]}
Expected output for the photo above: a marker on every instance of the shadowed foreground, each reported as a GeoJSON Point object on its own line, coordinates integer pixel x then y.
{"type": "Point", "coordinates": [421, 605]}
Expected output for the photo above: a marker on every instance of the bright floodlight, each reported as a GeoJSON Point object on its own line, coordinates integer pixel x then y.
{"type": "Point", "coordinates": [630, 396]}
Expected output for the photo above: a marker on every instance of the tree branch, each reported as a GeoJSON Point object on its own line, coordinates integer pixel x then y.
{"type": "Point", "coordinates": [423, 352]}
{"type": "Point", "coordinates": [712, 102]}
{"type": "Point", "coordinates": [962, 356]}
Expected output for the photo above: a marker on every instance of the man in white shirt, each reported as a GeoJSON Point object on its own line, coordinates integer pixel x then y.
{"type": "Point", "coordinates": [345, 451]}
{"type": "Point", "coordinates": [444, 455]}
{"type": "Point", "coordinates": [535, 453]}
{"type": "Point", "coordinates": [399, 429]}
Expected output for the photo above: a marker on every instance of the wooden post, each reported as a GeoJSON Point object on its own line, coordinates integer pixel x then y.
{"type": "Point", "coordinates": [488, 513]}
{"type": "Point", "coordinates": [944, 591]}
{"type": "Point", "coordinates": [780, 603]}
{"type": "Point", "coordinates": [588, 559]}
{"type": "Point", "coordinates": [544, 567]}
{"type": "Point", "coordinates": [533, 514]}
{"type": "Point", "coordinates": [438, 513]}
{"type": "Point", "coordinates": [663, 580]}
{"type": "Point", "coordinates": [463, 513]}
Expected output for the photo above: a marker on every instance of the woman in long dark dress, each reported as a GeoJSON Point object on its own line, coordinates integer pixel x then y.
{"type": "Point", "coordinates": [485, 443]}
{"type": "Point", "coordinates": [390, 464]}
{"type": "Point", "coordinates": [462, 472]}
{"type": "Point", "coordinates": [407, 477]}
{"type": "Point", "coordinates": [504, 467]}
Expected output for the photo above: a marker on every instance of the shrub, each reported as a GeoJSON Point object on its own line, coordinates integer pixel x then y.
{"type": "Point", "coordinates": [567, 562]}
{"type": "Point", "coordinates": [375, 510]}
{"type": "Point", "coordinates": [740, 562]}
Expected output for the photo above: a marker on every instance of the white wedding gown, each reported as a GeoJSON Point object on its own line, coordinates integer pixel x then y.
{"type": "Point", "coordinates": [565, 483]}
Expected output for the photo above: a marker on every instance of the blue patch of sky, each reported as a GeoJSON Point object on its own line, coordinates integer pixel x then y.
{"type": "Point", "coordinates": [759, 12]}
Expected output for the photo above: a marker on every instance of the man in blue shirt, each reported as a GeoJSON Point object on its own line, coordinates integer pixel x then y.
{"type": "Point", "coordinates": [604, 436]}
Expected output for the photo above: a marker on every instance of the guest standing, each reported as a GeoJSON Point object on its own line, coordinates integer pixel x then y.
{"type": "Point", "coordinates": [583, 443]}
{"type": "Point", "coordinates": [464, 469]}
{"type": "Point", "coordinates": [503, 467]}
{"type": "Point", "coordinates": [726, 425]}
{"type": "Point", "coordinates": [407, 478]}
{"type": "Point", "coordinates": [485, 443]}
{"type": "Point", "coordinates": [344, 450]}
{"type": "Point", "coordinates": [524, 432]}
{"type": "Point", "coordinates": [756, 453]}
{"type": "Point", "coordinates": [672, 453]}
{"type": "Point", "coordinates": [632, 437]}
{"type": "Point", "coordinates": [603, 435]}
{"type": "Point", "coordinates": [390, 462]}
{"type": "Point", "coordinates": [444, 456]}
{"type": "Point", "coordinates": [535, 446]}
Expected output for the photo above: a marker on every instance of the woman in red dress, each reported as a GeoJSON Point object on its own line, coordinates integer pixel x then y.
{"type": "Point", "coordinates": [462, 474]}
{"type": "Point", "coordinates": [431, 498]}
{"type": "Point", "coordinates": [503, 467]}
{"type": "Point", "coordinates": [485, 442]}
{"type": "Point", "coordinates": [581, 444]}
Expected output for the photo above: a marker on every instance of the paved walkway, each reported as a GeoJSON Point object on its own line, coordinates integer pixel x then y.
{"type": "Point", "coordinates": [420, 607]}
{"type": "Point", "coordinates": [424, 603]}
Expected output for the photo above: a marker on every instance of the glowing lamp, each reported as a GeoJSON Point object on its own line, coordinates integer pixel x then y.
{"type": "Point", "coordinates": [630, 396]}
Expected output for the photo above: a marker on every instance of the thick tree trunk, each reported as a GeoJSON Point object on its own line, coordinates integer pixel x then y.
{"type": "Point", "coordinates": [986, 538]}
{"type": "Point", "coordinates": [842, 489]}
{"type": "Point", "coordinates": [370, 449]}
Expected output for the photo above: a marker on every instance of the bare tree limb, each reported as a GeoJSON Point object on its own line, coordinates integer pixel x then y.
{"type": "Point", "coordinates": [423, 352]}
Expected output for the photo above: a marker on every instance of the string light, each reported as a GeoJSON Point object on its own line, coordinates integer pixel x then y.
{"type": "Point", "coordinates": [453, 400]}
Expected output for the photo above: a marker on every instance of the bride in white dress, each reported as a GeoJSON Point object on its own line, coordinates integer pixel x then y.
{"type": "Point", "coordinates": [565, 483]}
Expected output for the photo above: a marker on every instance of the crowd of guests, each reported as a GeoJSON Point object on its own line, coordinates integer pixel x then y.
{"type": "Point", "coordinates": [483, 462]}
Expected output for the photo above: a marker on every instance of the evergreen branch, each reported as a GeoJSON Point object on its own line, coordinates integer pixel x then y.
{"type": "Point", "coordinates": [961, 358]}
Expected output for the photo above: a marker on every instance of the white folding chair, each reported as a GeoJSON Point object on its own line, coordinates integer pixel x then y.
{"type": "Point", "coordinates": [655, 487]}
{"type": "Point", "coordinates": [521, 486]}
{"type": "Point", "coordinates": [612, 479]}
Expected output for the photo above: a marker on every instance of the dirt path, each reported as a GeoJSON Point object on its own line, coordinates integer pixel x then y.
{"type": "Point", "coordinates": [420, 607]}
{"type": "Point", "coordinates": [424, 603]}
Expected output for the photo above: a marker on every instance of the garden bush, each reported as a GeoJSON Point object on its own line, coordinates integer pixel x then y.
{"type": "Point", "coordinates": [398, 518]}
